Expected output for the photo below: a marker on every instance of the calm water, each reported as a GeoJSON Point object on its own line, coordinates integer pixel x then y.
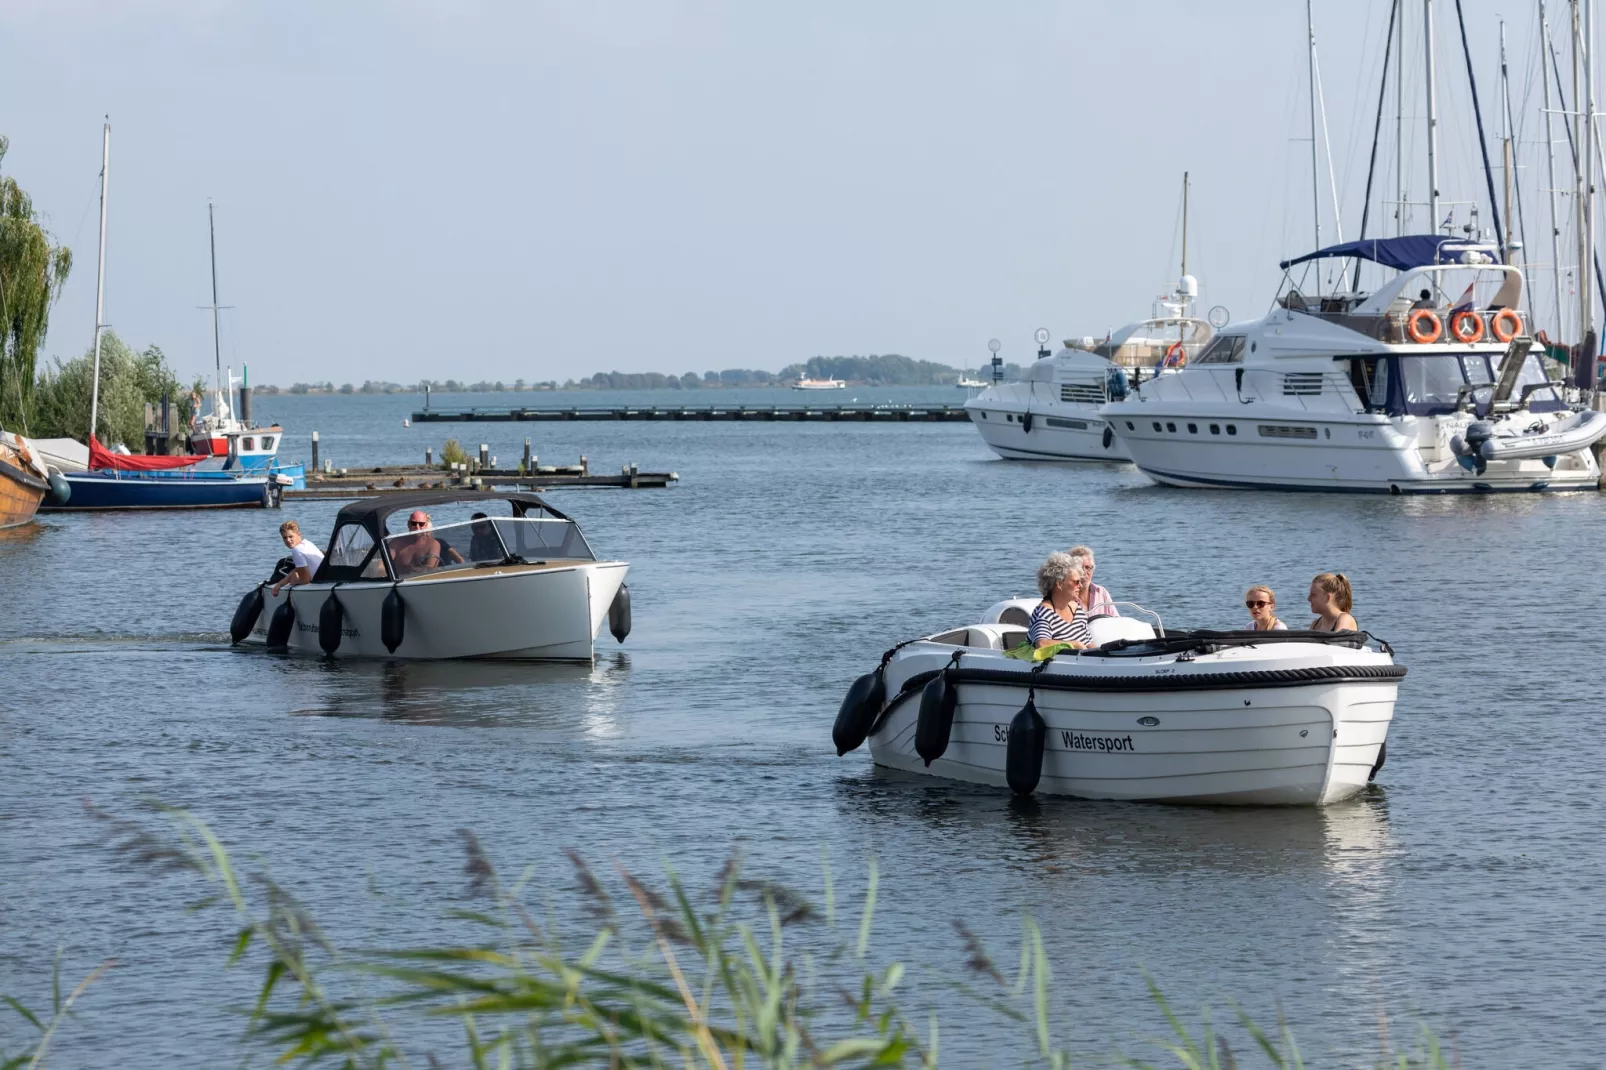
{"type": "Point", "coordinates": [1463, 892]}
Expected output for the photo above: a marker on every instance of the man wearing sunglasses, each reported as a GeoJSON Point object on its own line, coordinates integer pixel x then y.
{"type": "Point", "coordinates": [418, 550]}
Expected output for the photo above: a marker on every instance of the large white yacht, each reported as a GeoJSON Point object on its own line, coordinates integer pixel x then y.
{"type": "Point", "coordinates": [1425, 385]}
{"type": "Point", "coordinates": [1052, 413]}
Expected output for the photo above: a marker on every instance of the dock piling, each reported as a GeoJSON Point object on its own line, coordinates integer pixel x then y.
{"type": "Point", "coordinates": [315, 451]}
{"type": "Point", "coordinates": [429, 456]}
{"type": "Point", "coordinates": [585, 466]}
{"type": "Point", "coordinates": [529, 464]}
{"type": "Point", "coordinates": [485, 455]}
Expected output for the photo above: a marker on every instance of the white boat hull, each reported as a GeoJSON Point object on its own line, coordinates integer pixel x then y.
{"type": "Point", "coordinates": [544, 614]}
{"type": "Point", "coordinates": [1078, 437]}
{"type": "Point", "coordinates": [1291, 722]}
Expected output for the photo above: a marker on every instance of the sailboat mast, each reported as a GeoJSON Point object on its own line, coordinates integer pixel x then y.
{"type": "Point", "coordinates": [1184, 222]}
{"type": "Point", "coordinates": [1587, 186]}
{"type": "Point", "coordinates": [1550, 164]}
{"type": "Point", "coordinates": [1505, 138]}
{"type": "Point", "coordinates": [217, 345]}
{"type": "Point", "coordinates": [1315, 179]}
{"type": "Point", "coordinates": [1433, 119]}
{"type": "Point", "coordinates": [100, 276]}
{"type": "Point", "coordinates": [1400, 220]}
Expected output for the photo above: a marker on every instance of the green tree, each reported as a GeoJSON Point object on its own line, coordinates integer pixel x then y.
{"type": "Point", "coordinates": [32, 272]}
{"type": "Point", "coordinates": [127, 381]}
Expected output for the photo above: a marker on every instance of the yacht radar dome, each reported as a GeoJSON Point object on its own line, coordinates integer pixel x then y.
{"type": "Point", "coordinates": [1188, 286]}
{"type": "Point", "coordinates": [994, 344]}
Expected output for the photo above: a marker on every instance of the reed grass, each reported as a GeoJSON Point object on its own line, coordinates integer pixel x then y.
{"type": "Point", "coordinates": [742, 973]}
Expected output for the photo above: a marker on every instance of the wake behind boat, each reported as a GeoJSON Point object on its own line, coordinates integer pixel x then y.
{"type": "Point", "coordinates": [524, 584]}
{"type": "Point", "coordinates": [1283, 718]}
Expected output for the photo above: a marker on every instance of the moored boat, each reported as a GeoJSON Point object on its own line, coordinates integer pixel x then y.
{"type": "Point", "coordinates": [521, 585]}
{"type": "Point", "coordinates": [820, 384]}
{"type": "Point", "coordinates": [1265, 718]}
{"type": "Point", "coordinates": [23, 486]}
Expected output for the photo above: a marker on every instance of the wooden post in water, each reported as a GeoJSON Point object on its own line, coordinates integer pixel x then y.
{"type": "Point", "coordinates": [429, 456]}
{"type": "Point", "coordinates": [315, 451]}
{"type": "Point", "coordinates": [585, 469]}
{"type": "Point", "coordinates": [527, 462]}
{"type": "Point", "coordinates": [485, 455]}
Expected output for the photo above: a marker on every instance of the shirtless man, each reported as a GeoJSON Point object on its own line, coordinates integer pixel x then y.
{"type": "Point", "coordinates": [418, 550]}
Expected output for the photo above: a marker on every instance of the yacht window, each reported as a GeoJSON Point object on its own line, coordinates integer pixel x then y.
{"type": "Point", "coordinates": [1157, 425]}
{"type": "Point", "coordinates": [1129, 426]}
{"type": "Point", "coordinates": [1431, 383]}
{"type": "Point", "coordinates": [1215, 429]}
{"type": "Point", "coordinates": [1193, 429]}
{"type": "Point", "coordinates": [1541, 400]}
{"type": "Point", "coordinates": [249, 443]}
{"type": "Point", "coordinates": [1169, 426]}
{"type": "Point", "coordinates": [1226, 349]}
{"type": "Point", "coordinates": [1232, 429]}
{"type": "Point", "coordinates": [267, 442]}
{"type": "Point", "coordinates": [1370, 378]}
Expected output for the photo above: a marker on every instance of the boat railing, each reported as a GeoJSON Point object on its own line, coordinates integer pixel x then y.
{"type": "Point", "coordinates": [1159, 627]}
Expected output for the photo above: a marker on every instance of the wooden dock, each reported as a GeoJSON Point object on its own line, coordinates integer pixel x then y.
{"type": "Point", "coordinates": [879, 414]}
{"type": "Point", "coordinates": [345, 484]}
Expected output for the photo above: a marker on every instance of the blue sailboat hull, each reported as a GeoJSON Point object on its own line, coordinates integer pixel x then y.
{"type": "Point", "coordinates": [164, 490]}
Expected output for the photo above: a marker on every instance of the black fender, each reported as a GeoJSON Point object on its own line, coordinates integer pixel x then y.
{"type": "Point", "coordinates": [281, 624]}
{"type": "Point", "coordinates": [938, 700]}
{"type": "Point", "coordinates": [858, 712]}
{"type": "Point", "coordinates": [1026, 423]}
{"type": "Point", "coordinates": [619, 613]}
{"type": "Point", "coordinates": [60, 489]}
{"type": "Point", "coordinates": [330, 620]}
{"type": "Point", "coordinates": [1023, 755]}
{"type": "Point", "coordinates": [1109, 436]}
{"type": "Point", "coordinates": [1382, 756]}
{"type": "Point", "coordinates": [392, 620]}
{"type": "Point", "coordinates": [246, 614]}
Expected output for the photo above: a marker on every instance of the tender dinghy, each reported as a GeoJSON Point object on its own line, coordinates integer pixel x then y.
{"type": "Point", "coordinates": [1267, 718]}
{"type": "Point", "coordinates": [1524, 435]}
{"type": "Point", "coordinates": [521, 585]}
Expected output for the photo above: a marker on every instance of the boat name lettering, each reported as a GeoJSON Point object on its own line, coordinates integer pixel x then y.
{"type": "Point", "coordinates": [1079, 741]}
{"type": "Point", "coordinates": [303, 626]}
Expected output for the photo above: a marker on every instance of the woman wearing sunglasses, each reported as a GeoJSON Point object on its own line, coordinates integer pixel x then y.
{"type": "Point", "coordinates": [1262, 606]}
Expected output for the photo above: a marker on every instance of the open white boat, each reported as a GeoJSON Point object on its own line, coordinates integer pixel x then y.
{"type": "Point", "coordinates": [523, 584]}
{"type": "Point", "coordinates": [1268, 718]}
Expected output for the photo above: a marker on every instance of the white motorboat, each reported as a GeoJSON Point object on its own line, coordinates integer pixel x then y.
{"type": "Point", "coordinates": [820, 384]}
{"type": "Point", "coordinates": [967, 383]}
{"type": "Point", "coordinates": [1264, 718]}
{"type": "Point", "coordinates": [1052, 413]}
{"type": "Point", "coordinates": [1390, 391]}
{"type": "Point", "coordinates": [523, 584]}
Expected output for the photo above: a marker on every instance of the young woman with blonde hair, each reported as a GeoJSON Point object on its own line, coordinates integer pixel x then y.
{"type": "Point", "coordinates": [1331, 600]}
{"type": "Point", "coordinates": [1262, 606]}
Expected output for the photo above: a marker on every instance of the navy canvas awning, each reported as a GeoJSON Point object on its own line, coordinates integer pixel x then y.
{"type": "Point", "coordinates": [1403, 253]}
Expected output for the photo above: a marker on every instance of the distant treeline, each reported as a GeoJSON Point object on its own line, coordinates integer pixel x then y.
{"type": "Point", "coordinates": [888, 369]}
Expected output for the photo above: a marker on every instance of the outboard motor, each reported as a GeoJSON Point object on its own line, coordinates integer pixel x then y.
{"type": "Point", "coordinates": [860, 706]}
{"type": "Point", "coordinates": [246, 614]}
{"type": "Point", "coordinates": [619, 614]}
{"type": "Point", "coordinates": [1115, 383]}
{"type": "Point", "coordinates": [392, 620]}
{"type": "Point", "coordinates": [938, 700]}
{"type": "Point", "coordinates": [1476, 450]}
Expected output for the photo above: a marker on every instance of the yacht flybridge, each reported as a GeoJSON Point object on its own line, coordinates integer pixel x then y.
{"type": "Point", "coordinates": [1429, 384]}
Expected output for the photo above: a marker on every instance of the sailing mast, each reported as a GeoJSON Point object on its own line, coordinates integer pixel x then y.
{"type": "Point", "coordinates": [1550, 164]}
{"type": "Point", "coordinates": [1505, 138]}
{"type": "Point", "coordinates": [100, 275]}
{"type": "Point", "coordinates": [217, 345]}
{"type": "Point", "coordinates": [1433, 119]}
{"type": "Point", "coordinates": [1315, 180]}
{"type": "Point", "coordinates": [1399, 127]}
{"type": "Point", "coordinates": [1586, 192]}
{"type": "Point", "coordinates": [1184, 222]}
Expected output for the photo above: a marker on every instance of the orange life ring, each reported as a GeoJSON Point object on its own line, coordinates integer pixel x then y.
{"type": "Point", "coordinates": [1176, 356]}
{"type": "Point", "coordinates": [1473, 324]}
{"type": "Point", "coordinates": [1506, 325]}
{"type": "Point", "coordinates": [1413, 326]}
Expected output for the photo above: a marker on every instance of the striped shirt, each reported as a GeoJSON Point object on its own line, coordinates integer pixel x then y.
{"type": "Point", "coordinates": [1048, 624]}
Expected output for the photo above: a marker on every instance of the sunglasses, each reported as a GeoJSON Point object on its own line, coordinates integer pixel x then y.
{"type": "Point", "coordinates": [418, 523]}
{"type": "Point", "coordinates": [1256, 603]}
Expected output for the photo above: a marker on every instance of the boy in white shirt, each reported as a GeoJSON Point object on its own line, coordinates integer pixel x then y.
{"type": "Point", "coordinates": [306, 556]}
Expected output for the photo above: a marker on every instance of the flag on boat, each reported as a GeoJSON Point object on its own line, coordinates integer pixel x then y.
{"type": "Point", "coordinates": [1465, 304]}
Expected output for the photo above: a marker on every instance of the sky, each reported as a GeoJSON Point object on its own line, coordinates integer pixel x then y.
{"type": "Point", "coordinates": [543, 190]}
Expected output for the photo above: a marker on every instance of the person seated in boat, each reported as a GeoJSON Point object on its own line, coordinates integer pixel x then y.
{"type": "Point", "coordinates": [1059, 617]}
{"type": "Point", "coordinates": [1262, 606]}
{"type": "Point", "coordinates": [483, 545]}
{"type": "Point", "coordinates": [418, 550]}
{"type": "Point", "coordinates": [1096, 601]}
{"type": "Point", "coordinates": [1423, 300]}
{"type": "Point", "coordinates": [305, 557]}
{"type": "Point", "coordinates": [1331, 600]}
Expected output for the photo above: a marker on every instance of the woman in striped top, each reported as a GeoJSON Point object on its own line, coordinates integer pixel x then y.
{"type": "Point", "coordinates": [1059, 618]}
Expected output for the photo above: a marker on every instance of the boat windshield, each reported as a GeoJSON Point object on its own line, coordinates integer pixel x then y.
{"type": "Point", "coordinates": [1433, 383]}
{"type": "Point", "coordinates": [486, 541]}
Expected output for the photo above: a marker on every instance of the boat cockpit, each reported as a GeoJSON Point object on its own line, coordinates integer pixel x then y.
{"type": "Point", "coordinates": [527, 532]}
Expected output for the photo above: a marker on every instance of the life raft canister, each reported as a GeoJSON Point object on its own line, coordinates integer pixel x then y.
{"type": "Point", "coordinates": [1506, 325]}
{"type": "Point", "coordinates": [1466, 327]}
{"type": "Point", "coordinates": [1424, 326]}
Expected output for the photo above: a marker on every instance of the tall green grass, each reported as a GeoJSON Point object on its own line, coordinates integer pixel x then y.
{"type": "Point", "coordinates": [735, 974]}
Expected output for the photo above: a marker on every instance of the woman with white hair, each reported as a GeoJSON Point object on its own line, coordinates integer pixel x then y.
{"type": "Point", "coordinates": [1095, 599]}
{"type": "Point", "coordinates": [1059, 617]}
